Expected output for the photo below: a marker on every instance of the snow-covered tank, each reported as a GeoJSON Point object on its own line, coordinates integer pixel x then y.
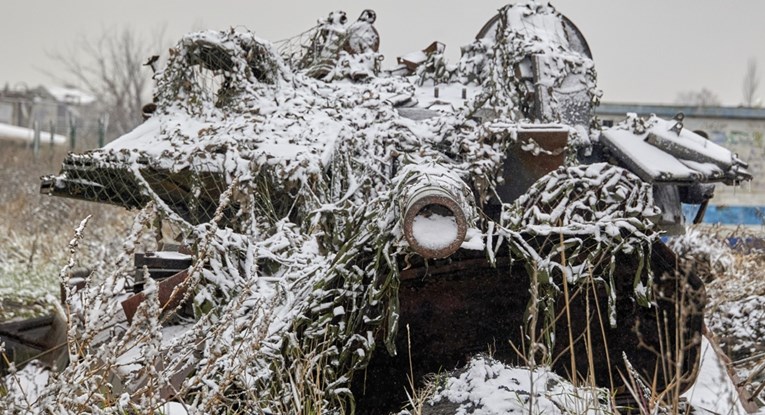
{"type": "Point", "coordinates": [396, 222]}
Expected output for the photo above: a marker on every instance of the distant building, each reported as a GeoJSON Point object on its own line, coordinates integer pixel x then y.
{"type": "Point", "coordinates": [23, 106]}
{"type": "Point", "coordinates": [742, 130]}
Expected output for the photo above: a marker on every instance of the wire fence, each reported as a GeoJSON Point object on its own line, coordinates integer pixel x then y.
{"type": "Point", "coordinates": [43, 118]}
{"type": "Point", "coordinates": [41, 126]}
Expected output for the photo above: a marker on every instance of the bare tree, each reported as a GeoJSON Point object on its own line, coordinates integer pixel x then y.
{"type": "Point", "coordinates": [111, 68]}
{"type": "Point", "coordinates": [703, 98]}
{"type": "Point", "coordinates": [751, 83]}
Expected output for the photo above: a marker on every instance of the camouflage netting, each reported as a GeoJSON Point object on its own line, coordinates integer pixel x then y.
{"type": "Point", "coordinates": [334, 49]}
{"type": "Point", "coordinates": [287, 189]}
{"type": "Point", "coordinates": [573, 222]}
{"type": "Point", "coordinates": [520, 49]}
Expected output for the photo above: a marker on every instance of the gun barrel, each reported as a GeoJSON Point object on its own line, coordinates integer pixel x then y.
{"type": "Point", "coordinates": [434, 222]}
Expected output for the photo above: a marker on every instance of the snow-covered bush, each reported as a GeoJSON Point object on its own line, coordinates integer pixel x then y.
{"type": "Point", "coordinates": [487, 387]}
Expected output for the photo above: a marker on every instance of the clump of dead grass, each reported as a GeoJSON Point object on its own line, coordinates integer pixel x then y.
{"type": "Point", "coordinates": [35, 230]}
{"type": "Point", "coordinates": [731, 261]}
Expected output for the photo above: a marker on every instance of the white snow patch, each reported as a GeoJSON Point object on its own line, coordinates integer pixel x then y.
{"type": "Point", "coordinates": [473, 240]}
{"type": "Point", "coordinates": [171, 255]}
{"type": "Point", "coordinates": [281, 152]}
{"type": "Point", "coordinates": [28, 383]}
{"type": "Point", "coordinates": [489, 387]}
{"type": "Point", "coordinates": [143, 137]}
{"type": "Point", "coordinates": [15, 133]}
{"type": "Point", "coordinates": [130, 361]}
{"type": "Point", "coordinates": [434, 231]}
{"type": "Point", "coordinates": [714, 391]}
{"type": "Point", "coordinates": [655, 162]}
{"type": "Point", "coordinates": [174, 408]}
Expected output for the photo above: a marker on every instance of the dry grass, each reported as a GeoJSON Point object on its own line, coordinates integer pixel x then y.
{"type": "Point", "coordinates": [649, 397]}
{"type": "Point", "coordinates": [35, 229]}
{"type": "Point", "coordinates": [736, 301]}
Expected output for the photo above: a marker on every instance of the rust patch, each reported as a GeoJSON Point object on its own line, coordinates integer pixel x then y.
{"type": "Point", "coordinates": [167, 299]}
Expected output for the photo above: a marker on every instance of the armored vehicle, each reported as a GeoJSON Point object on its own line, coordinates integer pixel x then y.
{"type": "Point", "coordinates": [383, 225]}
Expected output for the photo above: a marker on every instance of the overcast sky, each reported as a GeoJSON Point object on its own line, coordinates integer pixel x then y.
{"type": "Point", "coordinates": [645, 51]}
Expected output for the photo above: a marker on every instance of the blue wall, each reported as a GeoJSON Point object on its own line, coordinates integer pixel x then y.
{"type": "Point", "coordinates": [728, 215]}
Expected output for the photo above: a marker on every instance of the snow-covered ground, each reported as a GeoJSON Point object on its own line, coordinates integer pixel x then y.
{"type": "Point", "coordinates": [714, 390]}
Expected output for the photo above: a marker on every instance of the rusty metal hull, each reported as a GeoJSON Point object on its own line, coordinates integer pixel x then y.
{"type": "Point", "coordinates": [42, 338]}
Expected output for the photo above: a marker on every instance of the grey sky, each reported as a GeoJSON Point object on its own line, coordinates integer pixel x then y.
{"type": "Point", "coordinates": [645, 51]}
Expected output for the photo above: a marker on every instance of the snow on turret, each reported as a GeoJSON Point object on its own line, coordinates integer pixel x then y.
{"type": "Point", "coordinates": [362, 35]}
